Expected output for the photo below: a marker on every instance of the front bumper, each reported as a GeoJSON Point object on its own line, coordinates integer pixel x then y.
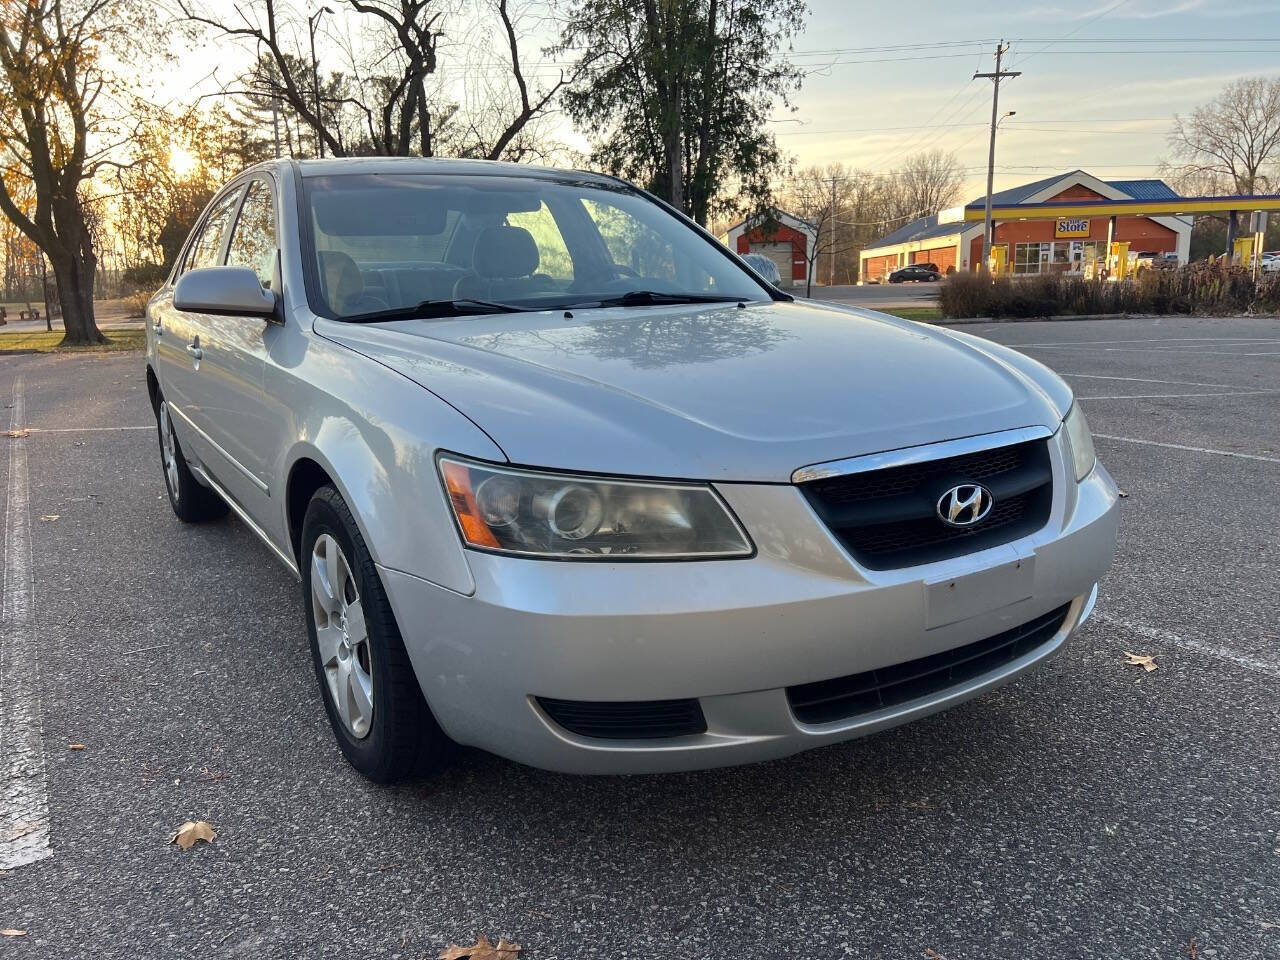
{"type": "Point", "coordinates": [732, 633]}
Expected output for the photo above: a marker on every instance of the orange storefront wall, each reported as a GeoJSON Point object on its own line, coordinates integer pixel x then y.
{"type": "Point", "coordinates": [1142, 233]}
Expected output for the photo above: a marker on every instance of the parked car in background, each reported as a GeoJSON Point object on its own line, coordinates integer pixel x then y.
{"type": "Point", "coordinates": [560, 479]}
{"type": "Point", "coordinates": [1270, 262]}
{"type": "Point", "coordinates": [765, 267]}
{"type": "Point", "coordinates": [916, 273]}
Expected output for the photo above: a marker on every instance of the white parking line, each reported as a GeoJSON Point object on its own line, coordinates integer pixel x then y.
{"type": "Point", "coordinates": [1182, 446]}
{"type": "Point", "coordinates": [1222, 340]}
{"type": "Point", "coordinates": [1148, 350]}
{"type": "Point", "coordinates": [1254, 664]}
{"type": "Point", "coordinates": [1178, 396]}
{"type": "Point", "coordinates": [24, 796]}
{"type": "Point", "coordinates": [1180, 383]}
{"type": "Point", "coordinates": [148, 426]}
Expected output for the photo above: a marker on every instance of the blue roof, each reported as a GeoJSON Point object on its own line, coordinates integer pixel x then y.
{"type": "Point", "coordinates": [928, 227]}
{"type": "Point", "coordinates": [922, 229]}
{"type": "Point", "coordinates": [1145, 189]}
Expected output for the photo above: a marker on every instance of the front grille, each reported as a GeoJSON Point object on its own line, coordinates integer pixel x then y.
{"type": "Point", "coordinates": [826, 701]}
{"type": "Point", "coordinates": [627, 719]}
{"type": "Point", "coordinates": [888, 518]}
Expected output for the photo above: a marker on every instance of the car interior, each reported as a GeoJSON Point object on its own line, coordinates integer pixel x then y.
{"type": "Point", "coordinates": [391, 246]}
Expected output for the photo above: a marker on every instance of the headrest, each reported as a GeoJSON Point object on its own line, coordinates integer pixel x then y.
{"type": "Point", "coordinates": [504, 253]}
{"type": "Point", "coordinates": [341, 277]}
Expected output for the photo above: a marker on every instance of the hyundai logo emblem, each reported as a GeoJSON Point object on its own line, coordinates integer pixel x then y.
{"type": "Point", "coordinates": [964, 505]}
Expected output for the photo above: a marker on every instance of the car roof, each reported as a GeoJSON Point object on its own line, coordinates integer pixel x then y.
{"type": "Point", "coordinates": [335, 166]}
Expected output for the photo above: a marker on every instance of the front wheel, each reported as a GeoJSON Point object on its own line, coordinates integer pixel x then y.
{"type": "Point", "coordinates": [376, 709]}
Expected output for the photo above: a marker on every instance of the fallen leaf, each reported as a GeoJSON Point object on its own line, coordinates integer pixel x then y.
{"type": "Point", "coordinates": [50, 517]}
{"type": "Point", "coordinates": [933, 954]}
{"type": "Point", "coordinates": [1137, 660]}
{"type": "Point", "coordinates": [482, 950]}
{"type": "Point", "coordinates": [1192, 952]}
{"type": "Point", "coordinates": [10, 932]}
{"type": "Point", "coordinates": [1123, 495]}
{"type": "Point", "coordinates": [18, 434]}
{"type": "Point", "coordinates": [192, 832]}
{"type": "Point", "coordinates": [76, 746]}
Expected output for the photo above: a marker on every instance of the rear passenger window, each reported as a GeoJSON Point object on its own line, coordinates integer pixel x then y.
{"type": "Point", "coordinates": [204, 250]}
{"type": "Point", "coordinates": [253, 242]}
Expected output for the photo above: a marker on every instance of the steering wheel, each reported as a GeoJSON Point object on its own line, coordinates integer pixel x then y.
{"type": "Point", "coordinates": [365, 303]}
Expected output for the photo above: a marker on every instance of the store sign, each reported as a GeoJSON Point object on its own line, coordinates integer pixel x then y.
{"type": "Point", "coordinates": [1071, 227]}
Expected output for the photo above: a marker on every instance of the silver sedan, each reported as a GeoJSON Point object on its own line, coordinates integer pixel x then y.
{"type": "Point", "coordinates": [562, 480]}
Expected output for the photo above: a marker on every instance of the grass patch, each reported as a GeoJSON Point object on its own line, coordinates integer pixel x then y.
{"type": "Point", "coordinates": [42, 341]}
{"type": "Point", "coordinates": [922, 314]}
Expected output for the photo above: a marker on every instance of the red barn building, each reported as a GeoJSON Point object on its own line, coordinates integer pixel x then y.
{"type": "Point", "coordinates": [788, 245]}
{"type": "Point", "coordinates": [1032, 246]}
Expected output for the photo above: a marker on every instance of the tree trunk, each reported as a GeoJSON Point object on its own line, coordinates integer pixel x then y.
{"type": "Point", "coordinates": [74, 276]}
{"type": "Point", "coordinates": [675, 148]}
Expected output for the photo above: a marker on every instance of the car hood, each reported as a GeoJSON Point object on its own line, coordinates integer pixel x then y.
{"type": "Point", "coordinates": [716, 392]}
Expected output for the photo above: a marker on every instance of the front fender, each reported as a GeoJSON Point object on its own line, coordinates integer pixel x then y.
{"type": "Point", "coordinates": [375, 433]}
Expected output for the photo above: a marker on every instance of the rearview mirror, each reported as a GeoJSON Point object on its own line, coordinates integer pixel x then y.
{"type": "Point", "coordinates": [229, 291]}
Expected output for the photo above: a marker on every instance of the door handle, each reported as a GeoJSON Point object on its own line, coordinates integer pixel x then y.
{"type": "Point", "coordinates": [193, 348]}
{"type": "Point", "coordinates": [158, 327]}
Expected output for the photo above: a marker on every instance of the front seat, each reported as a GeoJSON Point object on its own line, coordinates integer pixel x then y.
{"type": "Point", "coordinates": [344, 285]}
{"type": "Point", "coordinates": [503, 265]}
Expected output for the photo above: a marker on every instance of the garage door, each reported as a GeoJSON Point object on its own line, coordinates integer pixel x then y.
{"type": "Point", "coordinates": [942, 257]}
{"type": "Point", "coordinates": [879, 267]}
{"type": "Point", "coordinates": [780, 254]}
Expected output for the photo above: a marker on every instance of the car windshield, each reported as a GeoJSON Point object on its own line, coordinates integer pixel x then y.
{"type": "Point", "coordinates": [403, 245]}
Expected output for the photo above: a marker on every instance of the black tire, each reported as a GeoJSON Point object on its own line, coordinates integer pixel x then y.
{"type": "Point", "coordinates": [403, 739]}
{"type": "Point", "coordinates": [191, 500]}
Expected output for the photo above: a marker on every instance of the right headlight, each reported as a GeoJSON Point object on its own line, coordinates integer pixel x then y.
{"type": "Point", "coordinates": [536, 514]}
{"type": "Point", "coordinates": [1080, 441]}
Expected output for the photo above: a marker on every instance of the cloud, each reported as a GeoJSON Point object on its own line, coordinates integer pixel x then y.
{"type": "Point", "coordinates": [1141, 10]}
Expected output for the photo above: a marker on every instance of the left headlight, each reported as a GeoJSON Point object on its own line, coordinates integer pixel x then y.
{"type": "Point", "coordinates": [537, 514]}
{"type": "Point", "coordinates": [1080, 441]}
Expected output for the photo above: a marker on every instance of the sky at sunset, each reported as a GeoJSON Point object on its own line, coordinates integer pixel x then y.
{"type": "Point", "coordinates": [1100, 79]}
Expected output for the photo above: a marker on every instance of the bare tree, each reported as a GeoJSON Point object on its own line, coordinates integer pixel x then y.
{"type": "Point", "coordinates": [820, 197]}
{"type": "Point", "coordinates": [926, 183]}
{"type": "Point", "coordinates": [1233, 139]}
{"type": "Point", "coordinates": [385, 92]}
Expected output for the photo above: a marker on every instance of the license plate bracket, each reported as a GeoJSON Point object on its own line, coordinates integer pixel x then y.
{"type": "Point", "coordinates": [967, 594]}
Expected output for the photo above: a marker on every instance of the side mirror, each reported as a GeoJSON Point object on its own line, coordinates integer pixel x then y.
{"type": "Point", "coordinates": [228, 291]}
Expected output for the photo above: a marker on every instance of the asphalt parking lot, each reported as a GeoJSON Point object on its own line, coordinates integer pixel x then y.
{"type": "Point", "coordinates": [1091, 809]}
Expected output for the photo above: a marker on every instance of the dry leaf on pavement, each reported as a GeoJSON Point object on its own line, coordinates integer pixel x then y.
{"type": "Point", "coordinates": [75, 746]}
{"type": "Point", "coordinates": [192, 832]}
{"type": "Point", "coordinates": [482, 950]}
{"type": "Point", "coordinates": [1137, 660]}
{"type": "Point", "coordinates": [10, 932]}
{"type": "Point", "coordinates": [17, 435]}
{"type": "Point", "coordinates": [50, 517]}
{"type": "Point", "coordinates": [1123, 495]}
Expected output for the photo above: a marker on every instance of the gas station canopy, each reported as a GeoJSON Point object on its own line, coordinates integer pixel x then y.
{"type": "Point", "coordinates": [1124, 208]}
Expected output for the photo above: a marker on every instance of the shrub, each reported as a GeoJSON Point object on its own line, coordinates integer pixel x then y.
{"type": "Point", "coordinates": [1203, 288]}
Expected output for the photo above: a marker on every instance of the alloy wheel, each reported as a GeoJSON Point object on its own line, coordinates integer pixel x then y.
{"type": "Point", "coordinates": [342, 635]}
{"type": "Point", "coordinates": [169, 451]}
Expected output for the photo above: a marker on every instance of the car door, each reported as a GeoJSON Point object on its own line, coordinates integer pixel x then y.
{"type": "Point", "coordinates": [230, 403]}
{"type": "Point", "coordinates": [179, 336]}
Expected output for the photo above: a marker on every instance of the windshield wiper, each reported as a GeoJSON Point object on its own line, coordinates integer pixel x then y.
{"type": "Point", "coordinates": [433, 309]}
{"type": "Point", "coordinates": [648, 298]}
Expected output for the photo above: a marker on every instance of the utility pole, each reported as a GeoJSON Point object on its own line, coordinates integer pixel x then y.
{"type": "Point", "coordinates": [831, 276]}
{"type": "Point", "coordinates": [995, 78]}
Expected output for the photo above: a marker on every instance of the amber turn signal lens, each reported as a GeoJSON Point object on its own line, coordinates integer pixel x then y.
{"type": "Point", "coordinates": [457, 479]}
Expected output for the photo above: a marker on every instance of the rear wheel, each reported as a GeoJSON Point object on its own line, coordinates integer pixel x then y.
{"type": "Point", "coordinates": [371, 694]}
{"type": "Point", "coordinates": [191, 500]}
